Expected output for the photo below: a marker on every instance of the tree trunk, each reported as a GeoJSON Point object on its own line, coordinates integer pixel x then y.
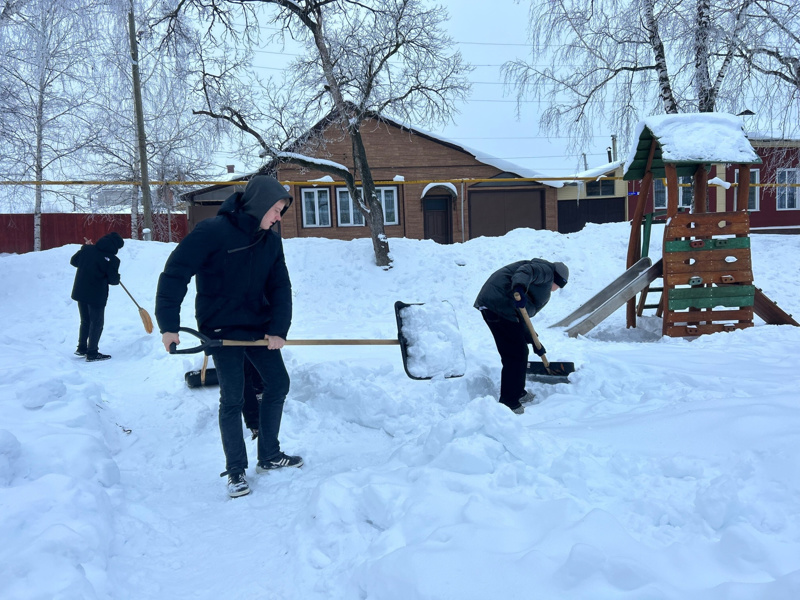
{"type": "Point", "coordinates": [705, 92]}
{"type": "Point", "coordinates": [380, 243]}
{"type": "Point", "coordinates": [660, 56]}
{"type": "Point", "coordinates": [140, 134]}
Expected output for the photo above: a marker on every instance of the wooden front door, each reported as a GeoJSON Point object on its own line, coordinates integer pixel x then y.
{"type": "Point", "coordinates": [437, 220]}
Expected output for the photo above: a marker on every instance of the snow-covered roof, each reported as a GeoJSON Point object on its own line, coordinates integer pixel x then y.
{"type": "Point", "coordinates": [687, 140]}
{"type": "Point", "coordinates": [595, 172]}
{"type": "Point", "coordinates": [487, 159]}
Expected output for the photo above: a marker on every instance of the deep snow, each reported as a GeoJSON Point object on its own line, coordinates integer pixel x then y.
{"type": "Point", "coordinates": [667, 469]}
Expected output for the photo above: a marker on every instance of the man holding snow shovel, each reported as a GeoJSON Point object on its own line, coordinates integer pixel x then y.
{"type": "Point", "coordinates": [533, 280]}
{"type": "Point", "coordinates": [243, 294]}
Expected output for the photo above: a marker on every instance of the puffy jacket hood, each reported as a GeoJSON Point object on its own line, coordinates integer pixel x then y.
{"type": "Point", "coordinates": [110, 243]}
{"type": "Point", "coordinates": [261, 193]}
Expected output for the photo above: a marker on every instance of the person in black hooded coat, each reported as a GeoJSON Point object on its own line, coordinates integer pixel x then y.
{"type": "Point", "coordinates": [243, 293]}
{"type": "Point", "coordinates": [533, 280]}
{"type": "Point", "coordinates": [98, 267]}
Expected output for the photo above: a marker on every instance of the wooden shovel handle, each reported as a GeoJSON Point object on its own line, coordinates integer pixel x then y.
{"type": "Point", "coordinates": [536, 343]}
{"type": "Point", "coordinates": [347, 342]}
{"type": "Point", "coordinates": [206, 343]}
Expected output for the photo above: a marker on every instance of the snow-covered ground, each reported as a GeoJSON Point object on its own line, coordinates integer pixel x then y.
{"type": "Point", "coordinates": [667, 468]}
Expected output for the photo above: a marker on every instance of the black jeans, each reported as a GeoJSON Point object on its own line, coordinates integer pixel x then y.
{"type": "Point", "coordinates": [92, 320]}
{"type": "Point", "coordinates": [512, 344]}
{"type": "Point", "coordinates": [230, 364]}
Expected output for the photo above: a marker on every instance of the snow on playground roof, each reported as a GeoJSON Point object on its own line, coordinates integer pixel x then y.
{"type": "Point", "coordinates": [688, 140]}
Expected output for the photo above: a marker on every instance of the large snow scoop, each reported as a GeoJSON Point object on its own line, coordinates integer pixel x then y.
{"type": "Point", "coordinates": [545, 371]}
{"type": "Point", "coordinates": [427, 342]}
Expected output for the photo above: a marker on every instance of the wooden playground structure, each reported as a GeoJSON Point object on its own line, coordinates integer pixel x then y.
{"type": "Point", "coordinates": [706, 264]}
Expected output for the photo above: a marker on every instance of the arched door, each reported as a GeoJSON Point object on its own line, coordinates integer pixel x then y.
{"type": "Point", "coordinates": [437, 219]}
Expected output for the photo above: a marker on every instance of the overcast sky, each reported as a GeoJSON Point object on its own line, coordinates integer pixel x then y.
{"type": "Point", "coordinates": [489, 33]}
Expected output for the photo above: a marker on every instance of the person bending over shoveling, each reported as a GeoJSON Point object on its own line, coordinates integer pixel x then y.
{"type": "Point", "coordinates": [533, 280]}
{"type": "Point", "coordinates": [243, 293]}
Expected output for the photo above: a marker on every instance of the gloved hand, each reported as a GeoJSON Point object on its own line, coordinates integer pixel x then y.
{"type": "Point", "coordinates": [518, 289]}
{"type": "Point", "coordinates": [539, 351]}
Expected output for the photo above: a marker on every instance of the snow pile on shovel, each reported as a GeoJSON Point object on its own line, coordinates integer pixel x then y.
{"type": "Point", "coordinates": [433, 341]}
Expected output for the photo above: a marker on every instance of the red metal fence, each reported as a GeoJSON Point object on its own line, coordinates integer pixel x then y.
{"type": "Point", "coordinates": [58, 229]}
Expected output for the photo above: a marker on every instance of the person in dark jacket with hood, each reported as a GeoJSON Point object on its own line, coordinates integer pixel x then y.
{"type": "Point", "coordinates": [533, 280]}
{"type": "Point", "coordinates": [243, 293]}
{"type": "Point", "coordinates": [98, 267]}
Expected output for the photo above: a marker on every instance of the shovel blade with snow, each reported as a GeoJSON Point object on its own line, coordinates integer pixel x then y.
{"type": "Point", "coordinates": [430, 340]}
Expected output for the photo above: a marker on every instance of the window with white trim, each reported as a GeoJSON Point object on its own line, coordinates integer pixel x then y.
{"type": "Point", "coordinates": [786, 195]}
{"type": "Point", "coordinates": [388, 199]}
{"type": "Point", "coordinates": [659, 194]}
{"type": "Point", "coordinates": [754, 198]}
{"type": "Point", "coordinates": [685, 194]}
{"type": "Point", "coordinates": [348, 212]}
{"type": "Point", "coordinates": [316, 207]}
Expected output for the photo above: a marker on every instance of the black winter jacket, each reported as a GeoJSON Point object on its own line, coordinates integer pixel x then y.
{"type": "Point", "coordinates": [243, 287]}
{"type": "Point", "coordinates": [98, 266]}
{"type": "Point", "coordinates": [497, 294]}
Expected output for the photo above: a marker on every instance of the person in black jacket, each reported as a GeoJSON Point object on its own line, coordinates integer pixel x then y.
{"type": "Point", "coordinates": [98, 267]}
{"type": "Point", "coordinates": [243, 293]}
{"type": "Point", "coordinates": [533, 280]}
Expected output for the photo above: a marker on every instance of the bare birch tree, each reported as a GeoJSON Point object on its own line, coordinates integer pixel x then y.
{"type": "Point", "coordinates": [178, 142]}
{"type": "Point", "coordinates": [363, 58]}
{"type": "Point", "coordinates": [47, 63]}
{"type": "Point", "coordinates": [614, 62]}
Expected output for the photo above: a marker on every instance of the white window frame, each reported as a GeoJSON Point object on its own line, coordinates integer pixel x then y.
{"type": "Point", "coordinates": [786, 193]}
{"type": "Point", "coordinates": [316, 193]}
{"type": "Point", "coordinates": [684, 200]}
{"type": "Point", "coordinates": [657, 205]}
{"type": "Point", "coordinates": [754, 196]}
{"type": "Point", "coordinates": [382, 193]}
{"type": "Point", "coordinates": [682, 197]}
{"type": "Point", "coordinates": [353, 214]}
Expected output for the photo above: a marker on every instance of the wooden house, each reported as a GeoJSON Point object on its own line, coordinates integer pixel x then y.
{"type": "Point", "coordinates": [430, 188]}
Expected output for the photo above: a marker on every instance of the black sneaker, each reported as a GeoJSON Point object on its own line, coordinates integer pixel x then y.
{"type": "Point", "coordinates": [80, 352]}
{"type": "Point", "coordinates": [279, 462]}
{"type": "Point", "coordinates": [237, 485]}
{"type": "Point", "coordinates": [96, 357]}
{"type": "Point", "coordinates": [254, 432]}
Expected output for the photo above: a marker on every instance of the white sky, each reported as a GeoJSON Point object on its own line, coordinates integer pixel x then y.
{"type": "Point", "coordinates": [488, 121]}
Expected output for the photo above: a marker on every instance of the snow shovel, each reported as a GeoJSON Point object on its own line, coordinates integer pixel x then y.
{"type": "Point", "coordinates": [203, 377]}
{"type": "Point", "coordinates": [412, 350]}
{"type": "Point", "coordinates": [545, 371]}
{"type": "Point", "coordinates": [146, 320]}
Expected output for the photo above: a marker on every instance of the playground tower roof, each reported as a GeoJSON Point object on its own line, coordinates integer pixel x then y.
{"type": "Point", "coordinates": [688, 140]}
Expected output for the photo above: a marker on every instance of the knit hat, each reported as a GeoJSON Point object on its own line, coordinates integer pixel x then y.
{"type": "Point", "coordinates": [116, 239]}
{"type": "Point", "coordinates": [110, 243]}
{"type": "Point", "coordinates": [560, 274]}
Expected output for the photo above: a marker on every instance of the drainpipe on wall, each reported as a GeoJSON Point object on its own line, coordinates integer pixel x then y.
{"type": "Point", "coordinates": [462, 213]}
